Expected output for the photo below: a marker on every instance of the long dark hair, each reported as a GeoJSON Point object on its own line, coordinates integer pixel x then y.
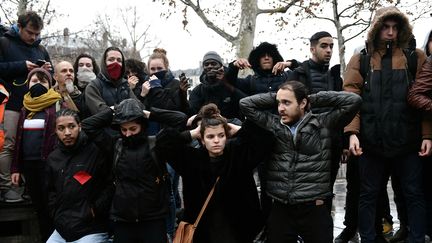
{"type": "Point", "coordinates": [96, 68]}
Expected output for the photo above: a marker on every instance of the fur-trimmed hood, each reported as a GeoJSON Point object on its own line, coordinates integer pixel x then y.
{"type": "Point", "coordinates": [261, 50]}
{"type": "Point", "coordinates": [404, 30]}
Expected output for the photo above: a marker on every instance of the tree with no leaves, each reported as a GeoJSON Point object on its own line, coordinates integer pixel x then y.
{"type": "Point", "coordinates": [238, 18]}
{"type": "Point", "coordinates": [351, 19]}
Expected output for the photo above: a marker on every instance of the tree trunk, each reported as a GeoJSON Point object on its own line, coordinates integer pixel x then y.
{"type": "Point", "coordinates": [340, 37]}
{"type": "Point", "coordinates": [246, 34]}
{"type": "Point", "coordinates": [22, 7]}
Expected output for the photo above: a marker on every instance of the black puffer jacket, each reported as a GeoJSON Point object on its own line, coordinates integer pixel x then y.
{"type": "Point", "coordinates": [141, 191]}
{"type": "Point", "coordinates": [299, 167]}
{"type": "Point", "coordinates": [78, 183]}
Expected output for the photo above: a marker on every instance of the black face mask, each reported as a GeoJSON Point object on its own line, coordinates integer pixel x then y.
{"type": "Point", "coordinates": [161, 74]}
{"type": "Point", "coordinates": [37, 90]}
{"type": "Point", "coordinates": [135, 140]}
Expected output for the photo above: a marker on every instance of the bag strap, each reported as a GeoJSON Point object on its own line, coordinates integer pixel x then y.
{"type": "Point", "coordinates": [206, 203]}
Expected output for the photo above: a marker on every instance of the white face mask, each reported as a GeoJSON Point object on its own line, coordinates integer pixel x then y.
{"type": "Point", "coordinates": [85, 76]}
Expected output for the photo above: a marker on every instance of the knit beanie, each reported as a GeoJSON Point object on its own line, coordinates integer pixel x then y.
{"type": "Point", "coordinates": [40, 70]}
{"type": "Point", "coordinates": [212, 55]}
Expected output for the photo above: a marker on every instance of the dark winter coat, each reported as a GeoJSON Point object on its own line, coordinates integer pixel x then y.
{"type": "Point", "coordinates": [169, 96]}
{"type": "Point", "coordinates": [49, 137]}
{"type": "Point", "coordinates": [218, 93]}
{"type": "Point", "coordinates": [79, 189]}
{"type": "Point", "coordinates": [387, 125]}
{"type": "Point", "coordinates": [141, 191]}
{"type": "Point", "coordinates": [102, 93]}
{"type": "Point", "coordinates": [299, 168]}
{"type": "Point", "coordinates": [318, 77]}
{"type": "Point", "coordinates": [13, 55]}
{"type": "Point", "coordinates": [235, 198]}
{"type": "Point", "coordinates": [262, 81]}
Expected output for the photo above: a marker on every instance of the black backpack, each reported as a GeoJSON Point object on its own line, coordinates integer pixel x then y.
{"type": "Point", "coordinates": [409, 52]}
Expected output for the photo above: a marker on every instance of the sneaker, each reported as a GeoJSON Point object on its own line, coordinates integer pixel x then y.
{"type": "Point", "coordinates": [345, 236]}
{"type": "Point", "coordinates": [400, 236]}
{"type": "Point", "coordinates": [387, 227]}
{"type": "Point", "coordinates": [11, 196]}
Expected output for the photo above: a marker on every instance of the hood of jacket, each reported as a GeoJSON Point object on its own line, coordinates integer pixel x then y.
{"type": "Point", "coordinates": [428, 37]}
{"type": "Point", "coordinates": [261, 50]}
{"type": "Point", "coordinates": [13, 33]}
{"type": "Point", "coordinates": [404, 30]}
{"type": "Point", "coordinates": [103, 66]}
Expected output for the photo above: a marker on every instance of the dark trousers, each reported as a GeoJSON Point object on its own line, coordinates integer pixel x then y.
{"type": "Point", "coordinates": [352, 194]}
{"type": "Point", "coordinates": [311, 222]}
{"type": "Point", "coordinates": [36, 184]}
{"type": "Point", "coordinates": [334, 168]}
{"type": "Point", "coordinates": [153, 231]}
{"type": "Point", "coordinates": [265, 200]}
{"type": "Point", "coordinates": [372, 170]}
{"type": "Point", "coordinates": [427, 186]}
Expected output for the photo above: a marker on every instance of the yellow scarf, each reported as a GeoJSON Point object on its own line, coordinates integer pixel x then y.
{"type": "Point", "coordinates": [39, 103]}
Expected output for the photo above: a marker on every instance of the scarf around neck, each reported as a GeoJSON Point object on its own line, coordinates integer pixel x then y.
{"type": "Point", "coordinates": [37, 104]}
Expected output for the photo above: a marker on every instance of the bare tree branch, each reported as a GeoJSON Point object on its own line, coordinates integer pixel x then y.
{"type": "Point", "coordinates": [207, 22]}
{"type": "Point", "coordinates": [346, 9]}
{"type": "Point", "coordinates": [282, 9]}
{"type": "Point", "coordinates": [5, 14]}
{"type": "Point", "coordinates": [46, 9]}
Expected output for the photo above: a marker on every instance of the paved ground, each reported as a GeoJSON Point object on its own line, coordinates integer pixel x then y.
{"type": "Point", "coordinates": [339, 203]}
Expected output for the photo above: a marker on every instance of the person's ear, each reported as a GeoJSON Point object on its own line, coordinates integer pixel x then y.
{"type": "Point", "coordinates": [303, 103]}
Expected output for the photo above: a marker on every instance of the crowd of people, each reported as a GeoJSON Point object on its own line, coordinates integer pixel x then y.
{"type": "Point", "coordinates": [100, 147]}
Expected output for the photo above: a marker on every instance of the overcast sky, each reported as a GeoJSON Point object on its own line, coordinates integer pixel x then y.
{"type": "Point", "coordinates": [186, 49]}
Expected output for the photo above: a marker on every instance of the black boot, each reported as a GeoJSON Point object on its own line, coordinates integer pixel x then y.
{"type": "Point", "coordinates": [345, 236]}
{"type": "Point", "coordinates": [400, 236]}
{"type": "Point", "coordinates": [379, 238]}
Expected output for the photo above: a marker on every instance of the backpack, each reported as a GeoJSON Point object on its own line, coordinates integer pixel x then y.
{"type": "Point", "coordinates": [409, 52]}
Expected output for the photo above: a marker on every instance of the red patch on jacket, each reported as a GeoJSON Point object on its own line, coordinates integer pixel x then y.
{"type": "Point", "coordinates": [82, 177]}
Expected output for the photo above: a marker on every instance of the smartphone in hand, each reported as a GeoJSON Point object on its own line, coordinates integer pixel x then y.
{"type": "Point", "coordinates": [40, 62]}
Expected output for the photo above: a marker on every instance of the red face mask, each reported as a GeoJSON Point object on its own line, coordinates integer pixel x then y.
{"type": "Point", "coordinates": [114, 70]}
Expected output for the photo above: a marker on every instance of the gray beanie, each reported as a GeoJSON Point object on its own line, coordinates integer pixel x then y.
{"type": "Point", "coordinates": [212, 55]}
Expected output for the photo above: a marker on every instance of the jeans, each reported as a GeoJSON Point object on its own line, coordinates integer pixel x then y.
{"type": "Point", "coordinates": [93, 238]}
{"type": "Point", "coordinates": [6, 155]}
{"type": "Point", "coordinates": [408, 168]}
